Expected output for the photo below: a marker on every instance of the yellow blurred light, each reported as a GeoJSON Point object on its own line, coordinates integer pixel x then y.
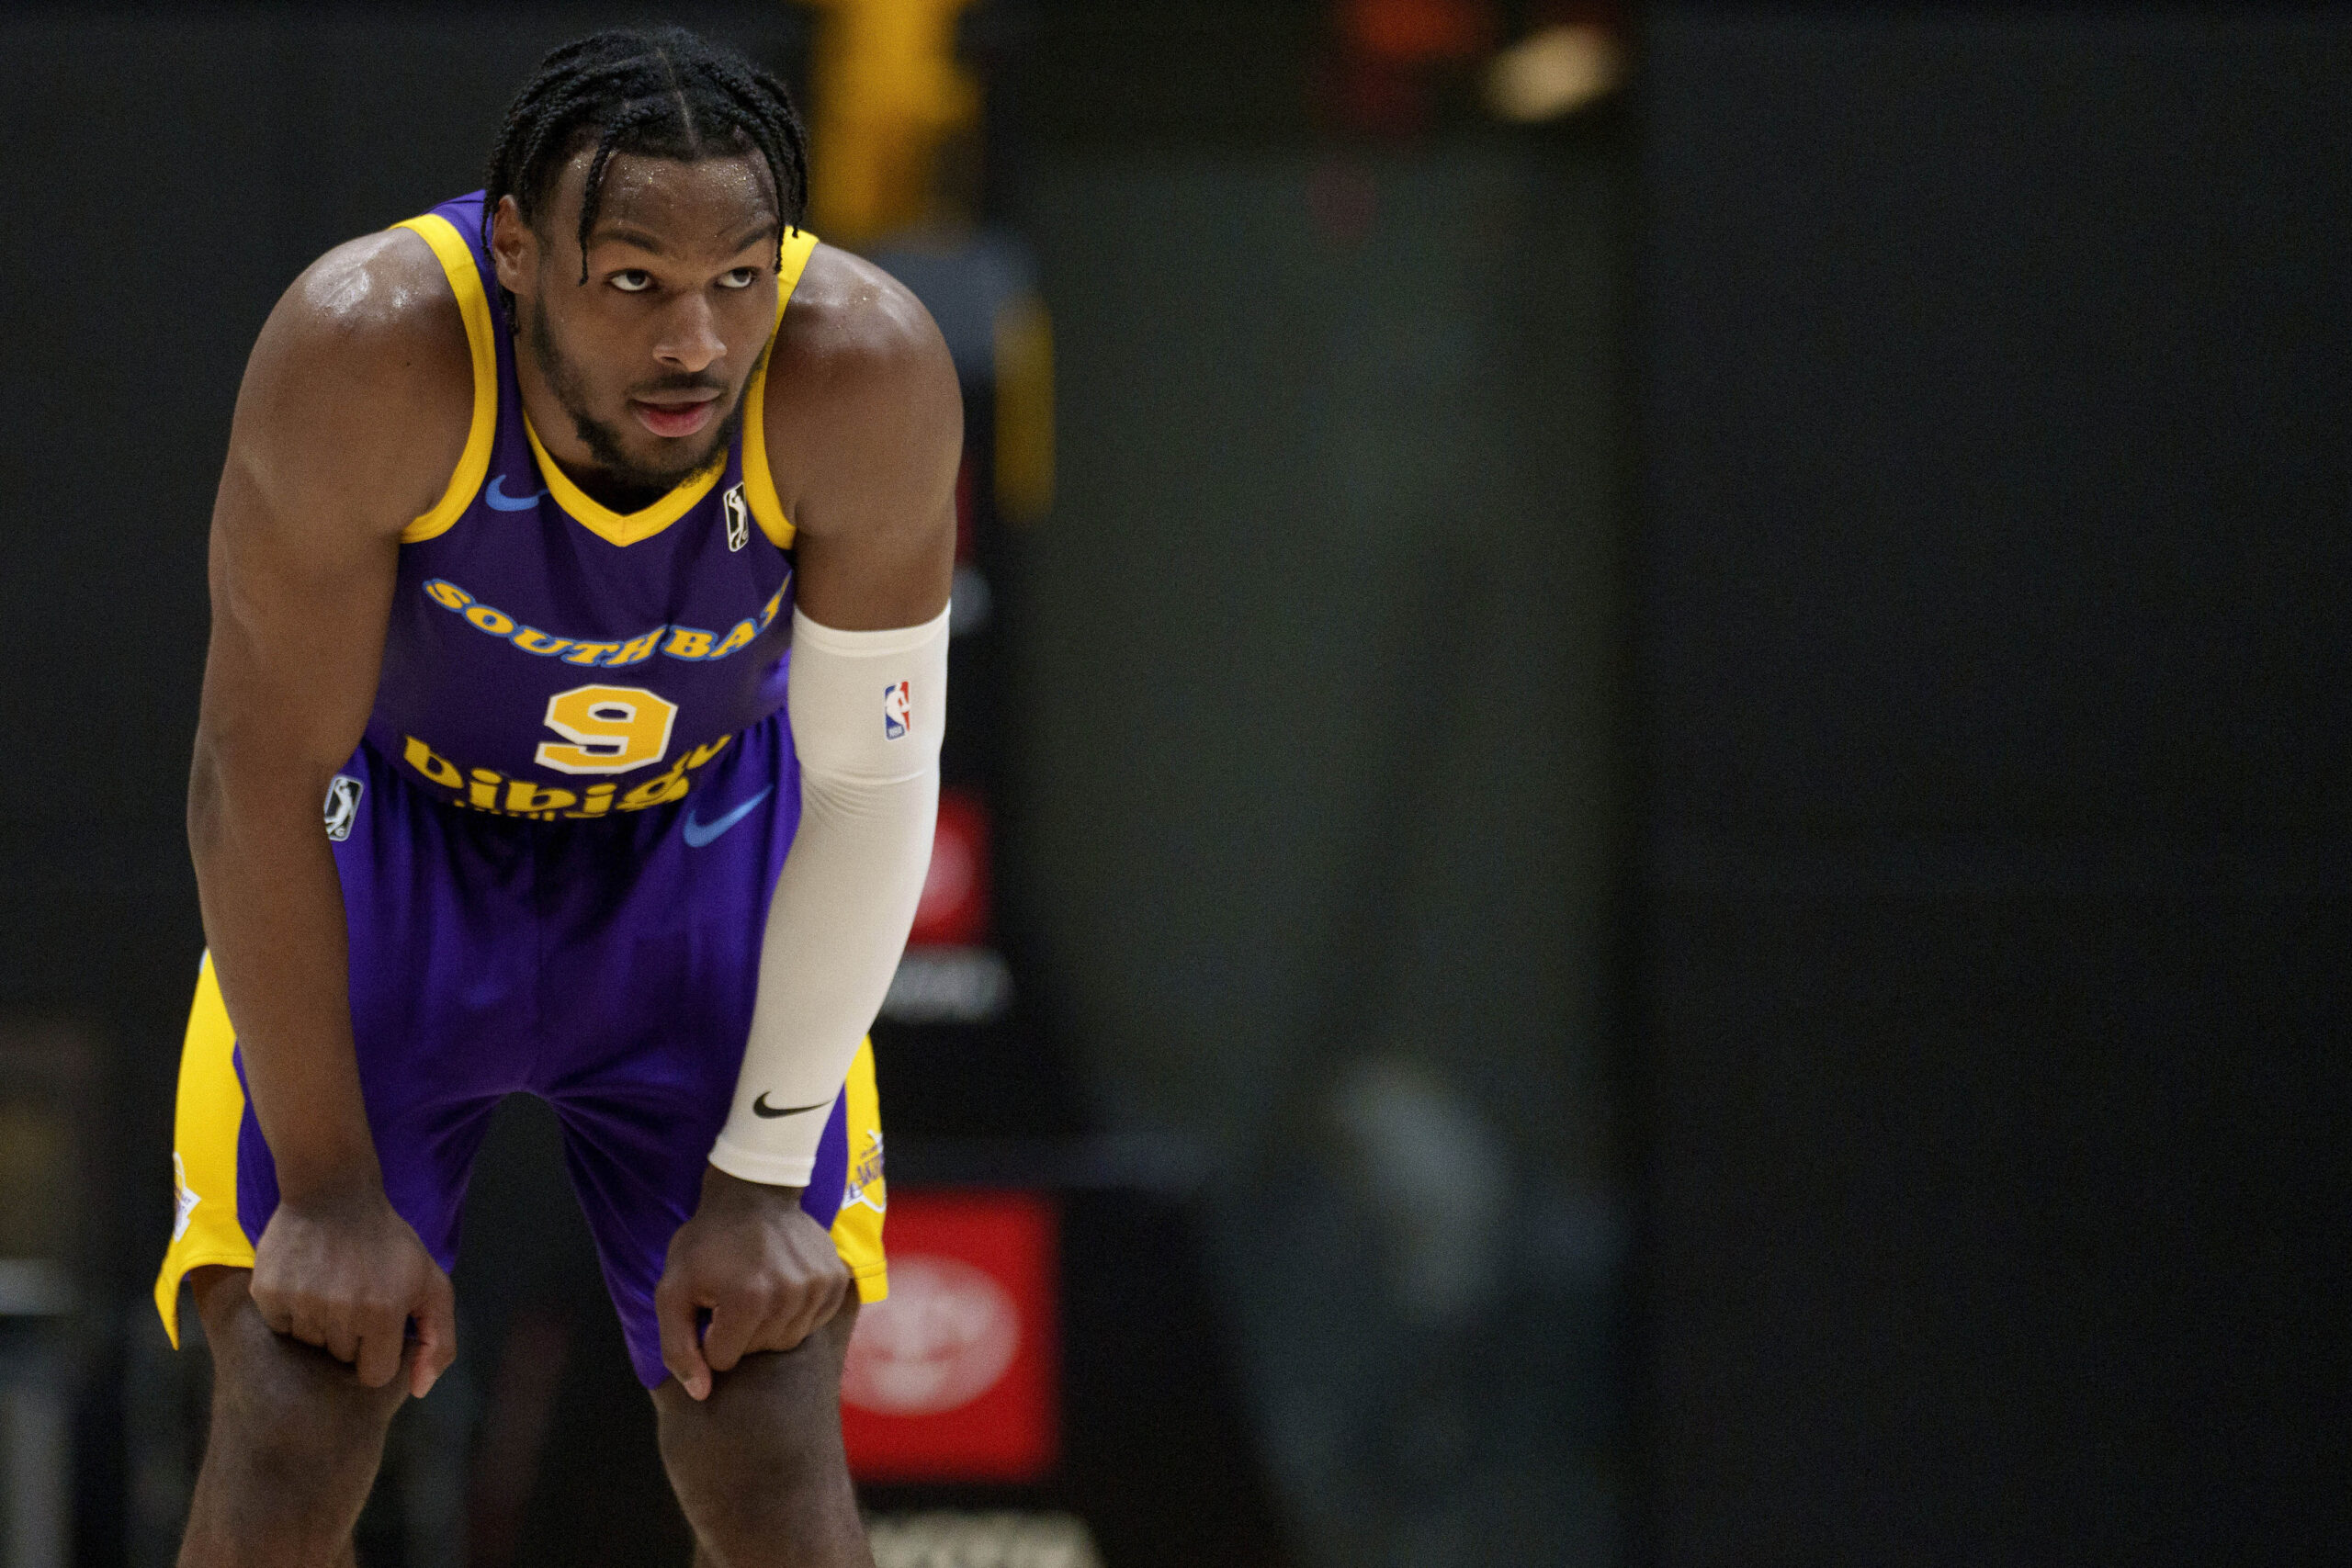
{"type": "Point", "coordinates": [1553, 71]}
{"type": "Point", "coordinates": [890, 92]}
{"type": "Point", "coordinates": [1025, 409]}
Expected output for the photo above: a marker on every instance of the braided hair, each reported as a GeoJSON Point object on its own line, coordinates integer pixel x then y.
{"type": "Point", "coordinates": [661, 91]}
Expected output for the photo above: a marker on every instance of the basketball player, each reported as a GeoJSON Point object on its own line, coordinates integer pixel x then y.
{"type": "Point", "coordinates": [584, 545]}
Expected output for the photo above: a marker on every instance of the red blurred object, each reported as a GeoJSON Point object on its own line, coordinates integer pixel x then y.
{"type": "Point", "coordinates": [1415, 32]}
{"type": "Point", "coordinates": [954, 911]}
{"type": "Point", "coordinates": [957, 1375]}
{"type": "Point", "coordinates": [1393, 56]}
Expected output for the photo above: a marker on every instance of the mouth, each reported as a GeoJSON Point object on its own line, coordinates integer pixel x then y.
{"type": "Point", "coordinates": [673, 414]}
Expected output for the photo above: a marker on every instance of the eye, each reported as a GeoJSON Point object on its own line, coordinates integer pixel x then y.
{"type": "Point", "coordinates": [632, 280]}
{"type": "Point", "coordinates": [741, 278]}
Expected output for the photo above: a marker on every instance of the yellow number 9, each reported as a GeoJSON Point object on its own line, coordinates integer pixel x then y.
{"type": "Point", "coordinates": [612, 728]}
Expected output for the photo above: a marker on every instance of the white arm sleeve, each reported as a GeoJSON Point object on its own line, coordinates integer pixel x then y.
{"type": "Point", "coordinates": [868, 709]}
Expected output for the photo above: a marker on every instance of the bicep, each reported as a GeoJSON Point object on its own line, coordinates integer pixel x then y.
{"type": "Point", "coordinates": [299, 611]}
{"type": "Point", "coordinates": [335, 442]}
{"type": "Point", "coordinates": [877, 544]}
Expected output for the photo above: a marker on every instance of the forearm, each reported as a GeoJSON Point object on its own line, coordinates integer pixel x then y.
{"type": "Point", "coordinates": [348, 421]}
{"type": "Point", "coordinates": [847, 895]}
{"type": "Point", "coordinates": [825, 967]}
{"type": "Point", "coordinates": [274, 921]}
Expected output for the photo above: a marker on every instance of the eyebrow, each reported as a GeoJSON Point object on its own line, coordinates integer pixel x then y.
{"type": "Point", "coordinates": [759, 230]}
{"type": "Point", "coordinates": [645, 239]}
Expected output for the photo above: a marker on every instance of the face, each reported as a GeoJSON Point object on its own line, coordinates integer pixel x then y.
{"type": "Point", "coordinates": [649, 357]}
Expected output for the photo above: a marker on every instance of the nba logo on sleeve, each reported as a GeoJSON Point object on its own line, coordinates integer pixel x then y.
{"type": "Point", "coordinates": [897, 711]}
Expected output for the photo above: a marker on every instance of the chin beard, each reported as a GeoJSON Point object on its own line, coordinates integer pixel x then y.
{"type": "Point", "coordinates": [623, 477]}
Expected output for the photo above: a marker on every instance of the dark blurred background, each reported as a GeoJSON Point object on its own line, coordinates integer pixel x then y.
{"type": "Point", "coordinates": [1650, 780]}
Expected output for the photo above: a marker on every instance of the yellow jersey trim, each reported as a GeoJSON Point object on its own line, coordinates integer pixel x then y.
{"type": "Point", "coordinates": [457, 261]}
{"type": "Point", "coordinates": [759, 481]}
{"type": "Point", "coordinates": [617, 527]}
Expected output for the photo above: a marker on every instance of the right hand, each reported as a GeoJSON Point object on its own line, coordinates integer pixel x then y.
{"type": "Point", "coordinates": [348, 1275]}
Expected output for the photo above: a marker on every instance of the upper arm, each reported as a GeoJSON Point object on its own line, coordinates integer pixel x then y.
{"type": "Point", "coordinates": [352, 415]}
{"type": "Point", "coordinates": [865, 430]}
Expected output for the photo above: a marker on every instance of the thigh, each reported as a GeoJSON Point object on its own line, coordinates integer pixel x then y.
{"type": "Point", "coordinates": [443, 945]}
{"type": "Point", "coordinates": [654, 928]}
{"type": "Point", "coordinates": [651, 925]}
{"type": "Point", "coordinates": [225, 1180]}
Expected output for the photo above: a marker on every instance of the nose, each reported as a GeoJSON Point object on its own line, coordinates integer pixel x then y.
{"type": "Point", "coordinates": [690, 339]}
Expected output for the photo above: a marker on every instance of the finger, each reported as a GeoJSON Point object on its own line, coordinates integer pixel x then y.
{"type": "Point", "coordinates": [793, 1326]}
{"type": "Point", "coordinates": [307, 1323]}
{"type": "Point", "coordinates": [673, 1314]}
{"type": "Point", "coordinates": [344, 1335]}
{"type": "Point", "coordinates": [835, 1300]}
{"type": "Point", "coordinates": [380, 1351]}
{"type": "Point", "coordinates": [735, 1323]}
{"type": "Point", "coordinates": [436, 1335]}
{"type": "Point", "coordinates": [824, 1300]}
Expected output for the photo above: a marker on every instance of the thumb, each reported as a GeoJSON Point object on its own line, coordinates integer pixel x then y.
{"type": "Point", "coordinates": [674, 1311]}
{"type": "Point", "coordinates": [436, 1335]}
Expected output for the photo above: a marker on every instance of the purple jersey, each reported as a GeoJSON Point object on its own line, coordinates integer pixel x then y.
{"type": "Point", "coordinates": [548, 657]}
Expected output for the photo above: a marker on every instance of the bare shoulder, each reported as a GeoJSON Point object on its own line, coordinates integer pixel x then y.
{"type": "Point", "coordinates": [862, 390]}
{"type": "Point", "coordinates": [848, 317]}
{"type": "Point", "coordinates": [364, 364]}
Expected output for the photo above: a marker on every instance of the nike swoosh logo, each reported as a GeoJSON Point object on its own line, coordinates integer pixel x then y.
{"type": "Point", "coordinates": [503, 501]}
{"type": "Point", "coordinates": [699, 833]}
{"type": "Point", "coordinates": [761, 1107]}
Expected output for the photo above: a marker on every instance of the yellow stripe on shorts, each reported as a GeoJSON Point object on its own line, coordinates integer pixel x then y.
{"type": "Point", "coordinates": [857, 1228]}
{"type": "Point", "coordinates": [204, 1152]}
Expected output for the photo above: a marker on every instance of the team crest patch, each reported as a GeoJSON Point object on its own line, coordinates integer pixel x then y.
{"type": "Point", "coordinates": [866, 1185]}
{"type": "Point", "coordinates": [343, 806]}
{"type": "Point", "coordinates": [184, 1198]}
{"type": "Point", "coordinates": [738, 518]}
{"type": "Point", "coordinates": [897, 711]}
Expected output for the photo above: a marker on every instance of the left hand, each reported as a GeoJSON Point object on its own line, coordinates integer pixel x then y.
{"type": "Point", "coordinates": [767, 1272]}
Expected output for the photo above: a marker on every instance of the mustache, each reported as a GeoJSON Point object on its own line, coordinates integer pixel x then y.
{"type": "Point", "coordinates": [680, 383]}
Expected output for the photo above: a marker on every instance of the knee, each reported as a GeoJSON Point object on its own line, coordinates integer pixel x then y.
{"type": "Point", "coordinates": [760, 1460]}
{"type": "Point", "coordinates": [746, 1457]}
{"type": "Point", "coordinates": [293, 1415]}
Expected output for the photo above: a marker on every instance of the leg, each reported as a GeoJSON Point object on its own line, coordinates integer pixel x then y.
{"type": "Point", "coordinates": [758, 1466]}
{"type": "Point", "coordinates": [294, 1446]}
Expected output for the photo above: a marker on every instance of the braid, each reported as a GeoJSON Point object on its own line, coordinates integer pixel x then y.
{"type": "Point", "coordinates": [636, 116]}
{"type": "Point", "coordinates": [661, 92]}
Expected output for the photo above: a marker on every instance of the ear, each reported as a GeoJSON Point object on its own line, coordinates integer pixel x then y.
{"type": "Point", "coordinates": [513, 248]}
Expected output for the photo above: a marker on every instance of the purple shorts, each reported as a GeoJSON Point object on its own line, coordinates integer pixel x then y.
{"type": "Point", "coordinates": [607, 966]}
